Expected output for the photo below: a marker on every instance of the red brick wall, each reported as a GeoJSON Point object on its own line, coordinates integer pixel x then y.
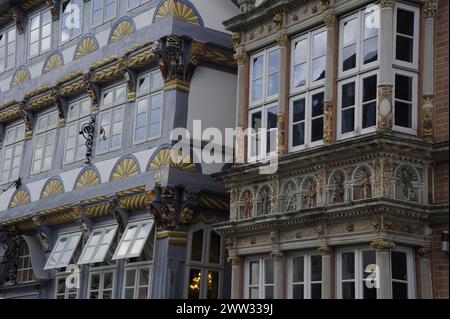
{"type": "Point", "coordinates": [439, 264]}
{"type": "Point", "coordinates": [441, 183]}
{"type": "Point", "coordinates": [441, 84]}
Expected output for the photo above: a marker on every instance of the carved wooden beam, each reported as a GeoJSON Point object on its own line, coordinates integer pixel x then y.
{"type": "Point", "coordinates": [54, 8]}
{"type": "Point", "coordinates": [93, 92]}
{"type": "Point", "coordinates": [18, 17]}
{"type": "Point", "coordinates": [27, 117]}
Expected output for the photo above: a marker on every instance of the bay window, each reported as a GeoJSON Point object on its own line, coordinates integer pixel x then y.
{"type": "Point", "coordinates": [63, 291]}
{"type": "Point", "coordinates": [406, 35]}
{"type": "Point", "coordinates": [405, 101]}
{"type": "Point", "coordinates": [264, 94]}
{"type": "Point", "coordinates": [101, 284]}
{"type": "Point", "coordinates": [259, 278]}
{"type": "Point", "coordinates": [308, 70]}
{"type": "Point", "coordinates": [8, 45]}
{"type": "Point", "coordinates": [204, 266]}
{"type": "Point", "coordinates": [112, 114]}
{"type": "Point", "coordinates": [305, 277]}
{"type": "Point", "coordinates": [12, 153]}
{"type": "Point", "coordinates": [71, 19]}
{"type": "Point", "coordinates": [137, 280]}
{"type": "Point", "coordinates": [147, 125]}
{"type": "Point", "coordinates": [45, 142]}
{"type": "Point", "coordinates": [79, 114]}
{"type": "Point", "coordinates": [40, 36]}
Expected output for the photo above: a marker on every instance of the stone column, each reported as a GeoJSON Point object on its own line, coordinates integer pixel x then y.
{"type": "Point", "coordinates": [328, 108]}
{"type": "Point", "coordinates": [426, 283]}
{"type": "Point", "coordinates": [242, 60]}
{"type": "Point", "coordinates": [283, 42]}
{"type": "Point", "coordinates": [383, 261]}
{"type": "Point", "coordinates": [326, 252]}
{"type": "Point", "coordinates": [278, 279]}
{"type": "Point", "coordinates": [386, 58]}
{"type": "Point", "coordinates": [428, 70]}
{"type": "Point", "coordinates": [236, 277]}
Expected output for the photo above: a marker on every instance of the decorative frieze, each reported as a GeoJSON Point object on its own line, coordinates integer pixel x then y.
{"type": "Point", "coordinates": [382, 245]}
{"type": "Point", "coordinates": [385, 107]}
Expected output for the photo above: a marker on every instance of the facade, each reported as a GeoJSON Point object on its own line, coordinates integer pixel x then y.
{"type": "Point", "coordinates": [357, 94]}
{"type": "Point", "coordinates": [89, 94]}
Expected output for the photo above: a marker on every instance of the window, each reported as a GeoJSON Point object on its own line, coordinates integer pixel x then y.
{"type": "Point", "coordinates": [405, 101]}
{"type": "Point", "coordinates": [71, 19]}
{"type": "Point", "coordinates": [134, 239]}
{"type": "Point", "coordinates": [25, 271]}
{"type": "Point", "coordinates": [131, 4]}
{"type": "Point", "coordinates": [63, 251]}
{"type": "Point", "coordinates": [204, 261]}
{"type": "Point", "coordinates": [307, 93]}
{"type": "Point", "coordinates": [264, 92]}
{"type": "Point", "coordinates": [103, 11]}
{"type": "Point", "coordinates": [63, 291]}
{"type": "Point", "coordinates": [353, 271]}
{"type": "Point", "coordinates": [359, 40]}
{"type": "Point", "coordinates": [402, 274]}
{"type": "Point", "coordinates": [40, 33]}
{"type": "Point", "coordinates": [112, 113]}
{"type": "Point", "coordinates": [7, 49]}
{"type": "Point", "coordinates": [137, 282]}
{"type": "Point", "coordinates": [12, 153]}
{"type": "Point", "coordinates": [45, 141]}
{"type": "Point", "coordinates": [260, 279]}
{"type": "Point", "coordinates": [149, 107]}
{"type": "Point", "coordinates": [305, 277]}
{"type": "Point", "coordinates": [406, 41]}
{"type": "Point", "coordinates": [79, 112]}
{"type": "Point", "coordinates": [357, 105]}
{"type": "Point", "coordinates": [97, 245]}
{"type": "Point", "coordinates": [101, 284]}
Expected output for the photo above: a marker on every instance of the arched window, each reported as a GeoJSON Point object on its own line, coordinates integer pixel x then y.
{"type": "Point", "coordinates": [24, 271]}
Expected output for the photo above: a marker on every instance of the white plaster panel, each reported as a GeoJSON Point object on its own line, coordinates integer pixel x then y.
{"type": "Point", "coordinates": [68, 54]}
{"type": "Point", "coordinates": [69, 178]}
{"type": "Point", "coordinates": [36, 189]}
{"type": "Point", "coordinates": [5, 84]}
{"type": "Point", "coordinates": [214, 12]}
{"type": "Point", "coordinates": [36, 69]}
{"type": "Point", "coordinates": [144, 19]}
{"type": "Point", "coordinates": [105, 168]}
{"type": "Point", "coordinates": [144, 157]}
{"type": "Point", "coordinates": [5, 198]}
{"type": "Point", "coordinates": [103, 37]}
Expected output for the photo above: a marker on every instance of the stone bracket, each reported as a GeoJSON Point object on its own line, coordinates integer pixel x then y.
{"type": "Point", "coordinates": [94, 92]}
{"type": "Point", "coordinates": [28, 118]}
{"type": "Point", "coordinates": [18, 17]}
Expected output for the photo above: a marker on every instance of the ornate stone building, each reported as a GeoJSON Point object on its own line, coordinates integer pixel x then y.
{"type": "Point", "coordinates": [355, 93]}
{"type": "Point", "coordinates": [89, 94]}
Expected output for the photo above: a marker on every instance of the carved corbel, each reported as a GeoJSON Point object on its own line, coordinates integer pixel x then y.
{"type": "Point", "coordinates": [93, 91]}
{"type": "Point", "coordinates": [119, 215]}
{"type": "Point", "coordinates": [18, 17]}
{"type": "Point", "coordinates": [84, 222]}
{"type": "Point", "coordinates": [44, 232]}
{"type": "Point", "coordinates": [197, 53]}
{"type": "Point", "coordinates": [382, 245]}
{"type": "Point", "coordinates": [27, 117]}
{"type": "Point", "coordinates": [54, 8]}
{"type": "Point", "coordinates": [60, 104]}
{"type": "Point", "coordinates": [171, 59]}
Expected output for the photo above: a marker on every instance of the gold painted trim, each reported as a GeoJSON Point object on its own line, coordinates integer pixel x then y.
{"type": "Point", "coordinates": [176, 85]}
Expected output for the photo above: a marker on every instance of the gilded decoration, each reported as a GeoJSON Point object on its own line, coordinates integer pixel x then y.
{"type": "Point", "coordinates": [383, 178]}
{"type": "Point", "coordinates": [20, 198]}
{"type": "Point", "coordinates": [328, 122]}
{"type": "Point", "coordinates": [237, 39]}
{"type": "Point", "coordinates": [122, 30]}
{"type": "Point", "coordinates": [387, 3]}
{"type": "Point", "coordinates": [179, 10]}
{"type": "Point", "coordinates": [330, 20]}
{"type": "Point", "coordinates": [362, 183]}
{"type": "Point", "coordinates": [22, 75]}
{"type": "Point", "coordinates": [86, 46]}
{"type": "Point", "coordinates": [427, 117]}
{"type": "Point", "coordinates": [127, 167]}
{"type": "Point", "coordinates": [53, 188]}
{"type": "Point", "coordinates": [241, 58]}
{"type": "Point", "coordinates": [385, 116]}
{"type": "Point", "coordinates": [54, 62]}
{"type": "Point", "coordinates": [89, 178]}
{"type": "Point", "coordinates": [172, 158]}
{"type": "Point", "coordinates": [382, 245]}
{"type": "Point", "coordinates": [430, 8]}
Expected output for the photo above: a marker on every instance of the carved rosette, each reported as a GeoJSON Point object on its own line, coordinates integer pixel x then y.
{"type": "Point", "coordinates": [328, 122]}
{"type": "Point", "coordinates": [382, 245]}
{"type": "Point", "coordinates": [427, 117]}
{"type": "Point", "coordinates": [385, 107]}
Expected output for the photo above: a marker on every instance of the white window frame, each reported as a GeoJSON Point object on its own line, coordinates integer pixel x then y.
{"type": "Point", "coordinates": [148, 95]}
{"type": "Point", "coordinates": [411, 270]}
{"type": "Point", "coordinates": [263, 131]}
{"type": "Point", "coordinates": [24, 257]}
{"type": "Point", "coordinates": [103, 21]}
{"type": "Point", "coordinates": [79, 121]}
{"type": "Point", "coordinates": [102, 271]}
{"type": "Point", "coordinates": [309, 83]}
{"type": "Point", "coordinates": [40, 51]}
{"type": "Point", "coordinates": [415, 64]}
{"type": "Point", "coordinates": [415, 102]}
{"type": "Point", "coordinates": [358, 107]}
{"type": "Point", "coordinates": [71, 36]}
{"type": "Point", "coordinates": [137, 267]}
{"type": "Point", "coordinates": [7, 49]}
{"type": "Point", "coordinates": [18, 142]}
{"type": "Point", "coordinates": [307, 280]}
{"type": "Point", "coordinates": [97, 245]}
{"type": "Point", "coordinates": [139, 224]}
{"type": "Point", "coordinates": [262, 271]}
{"type": "Point", "coordinates": [59, 263]}
{"type": "Point", "coordinates": [45, 133]}
{"type": "Point", "coordinates": [204, 266]}
{"type": "Point", "coordinates": [114, 107]}
{"type": "Point", "coordinates": [360, 66]}
{"type": "Point", "coordinates": [67, 292]}
{"type": "Point", "coordinates": [139, 3]}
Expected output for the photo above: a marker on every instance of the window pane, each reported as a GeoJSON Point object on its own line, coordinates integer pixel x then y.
{"type": "Point", "coordinates": [348, 121]}
{"type": "Point", "coordinates": [298, 265]}
{"type": "Point", "coordinates": [213, 285]}
{"type": "Point", "coordinates": [317, 104]}
{"type": "Point", "coordinates": [403, 114]}
{"type": "Point", "coordinates": [300, 75]}
{"type": "Point", "coordinates": [144, 277]}
{"type": "Point", "coordinates": [317, 130]}
{"type": "Point", "coordinates": [256, 121]}
{"type": "Point", "coordinates": [405, 22]}
{"type": "Point", "coordinates": [131, 276]}
{"type": "Point", "coordinates": [370, 88]}
{"type": "Point", "coordinates": [298, 292]}
{"type": "Point", "coordinates": [274, 61]}
{"type": "Point", "coordinates": [404, 49]}
{"type": "Point", "coordinates": [320, 44]}
{"type": "Point", "coordinates": [254, 293]}
{"type": "Point", "coordinates": [403, 87]}
{"type": "Point", "coordinates": [194, 284]}
{"type": "Point", "coordinates": [268, 271]}
{"type": "Point", "coordinates": [369, 115]}
{"type": "Point", "coordinates": [197, 245]}
{"type": "Point", "coordinates": [399, 290]}
{"type": "Point", "coordinates": [272, 117]}
{"type": "Point", "coordinates": [369, 258]}
{"type": "Point", "coordinates": [254, 273]}
{"type": "Point", "coordinates": [298, 111]}
{"type": "Point", "coordinates": [298, 132]}
{"type": "Point", "coordinates": [258, 67]}
{"type": "Point", "coordinates": [318, 69]}
{"type": "Point", "coordinates": [257, 90]}
{"type": "Point", "coordinates": [348, 95]}
{"type": "Point", "coordinates": [300, 51]}
{"type": "Point", "coordinates": [214, 248]}
{"type": "Point", "coordinates": [316, 268]}
{"type": "Point", "coordinates": [348, 290]}
{"type": "Point", "coordinates": [399, 266]}
{"type": "Point", "coordinates": [268, 292]}
{"type": "Point", "coordinates": [370, 50]}
{"type": "Point", "coordinates": [350, 32]}
{"type": "Point", "coordinates": [316, 291]}
{"type": "Point", "coordinates": [274, 84]}
{"type": "Point", "coordinates": [348, 266]}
